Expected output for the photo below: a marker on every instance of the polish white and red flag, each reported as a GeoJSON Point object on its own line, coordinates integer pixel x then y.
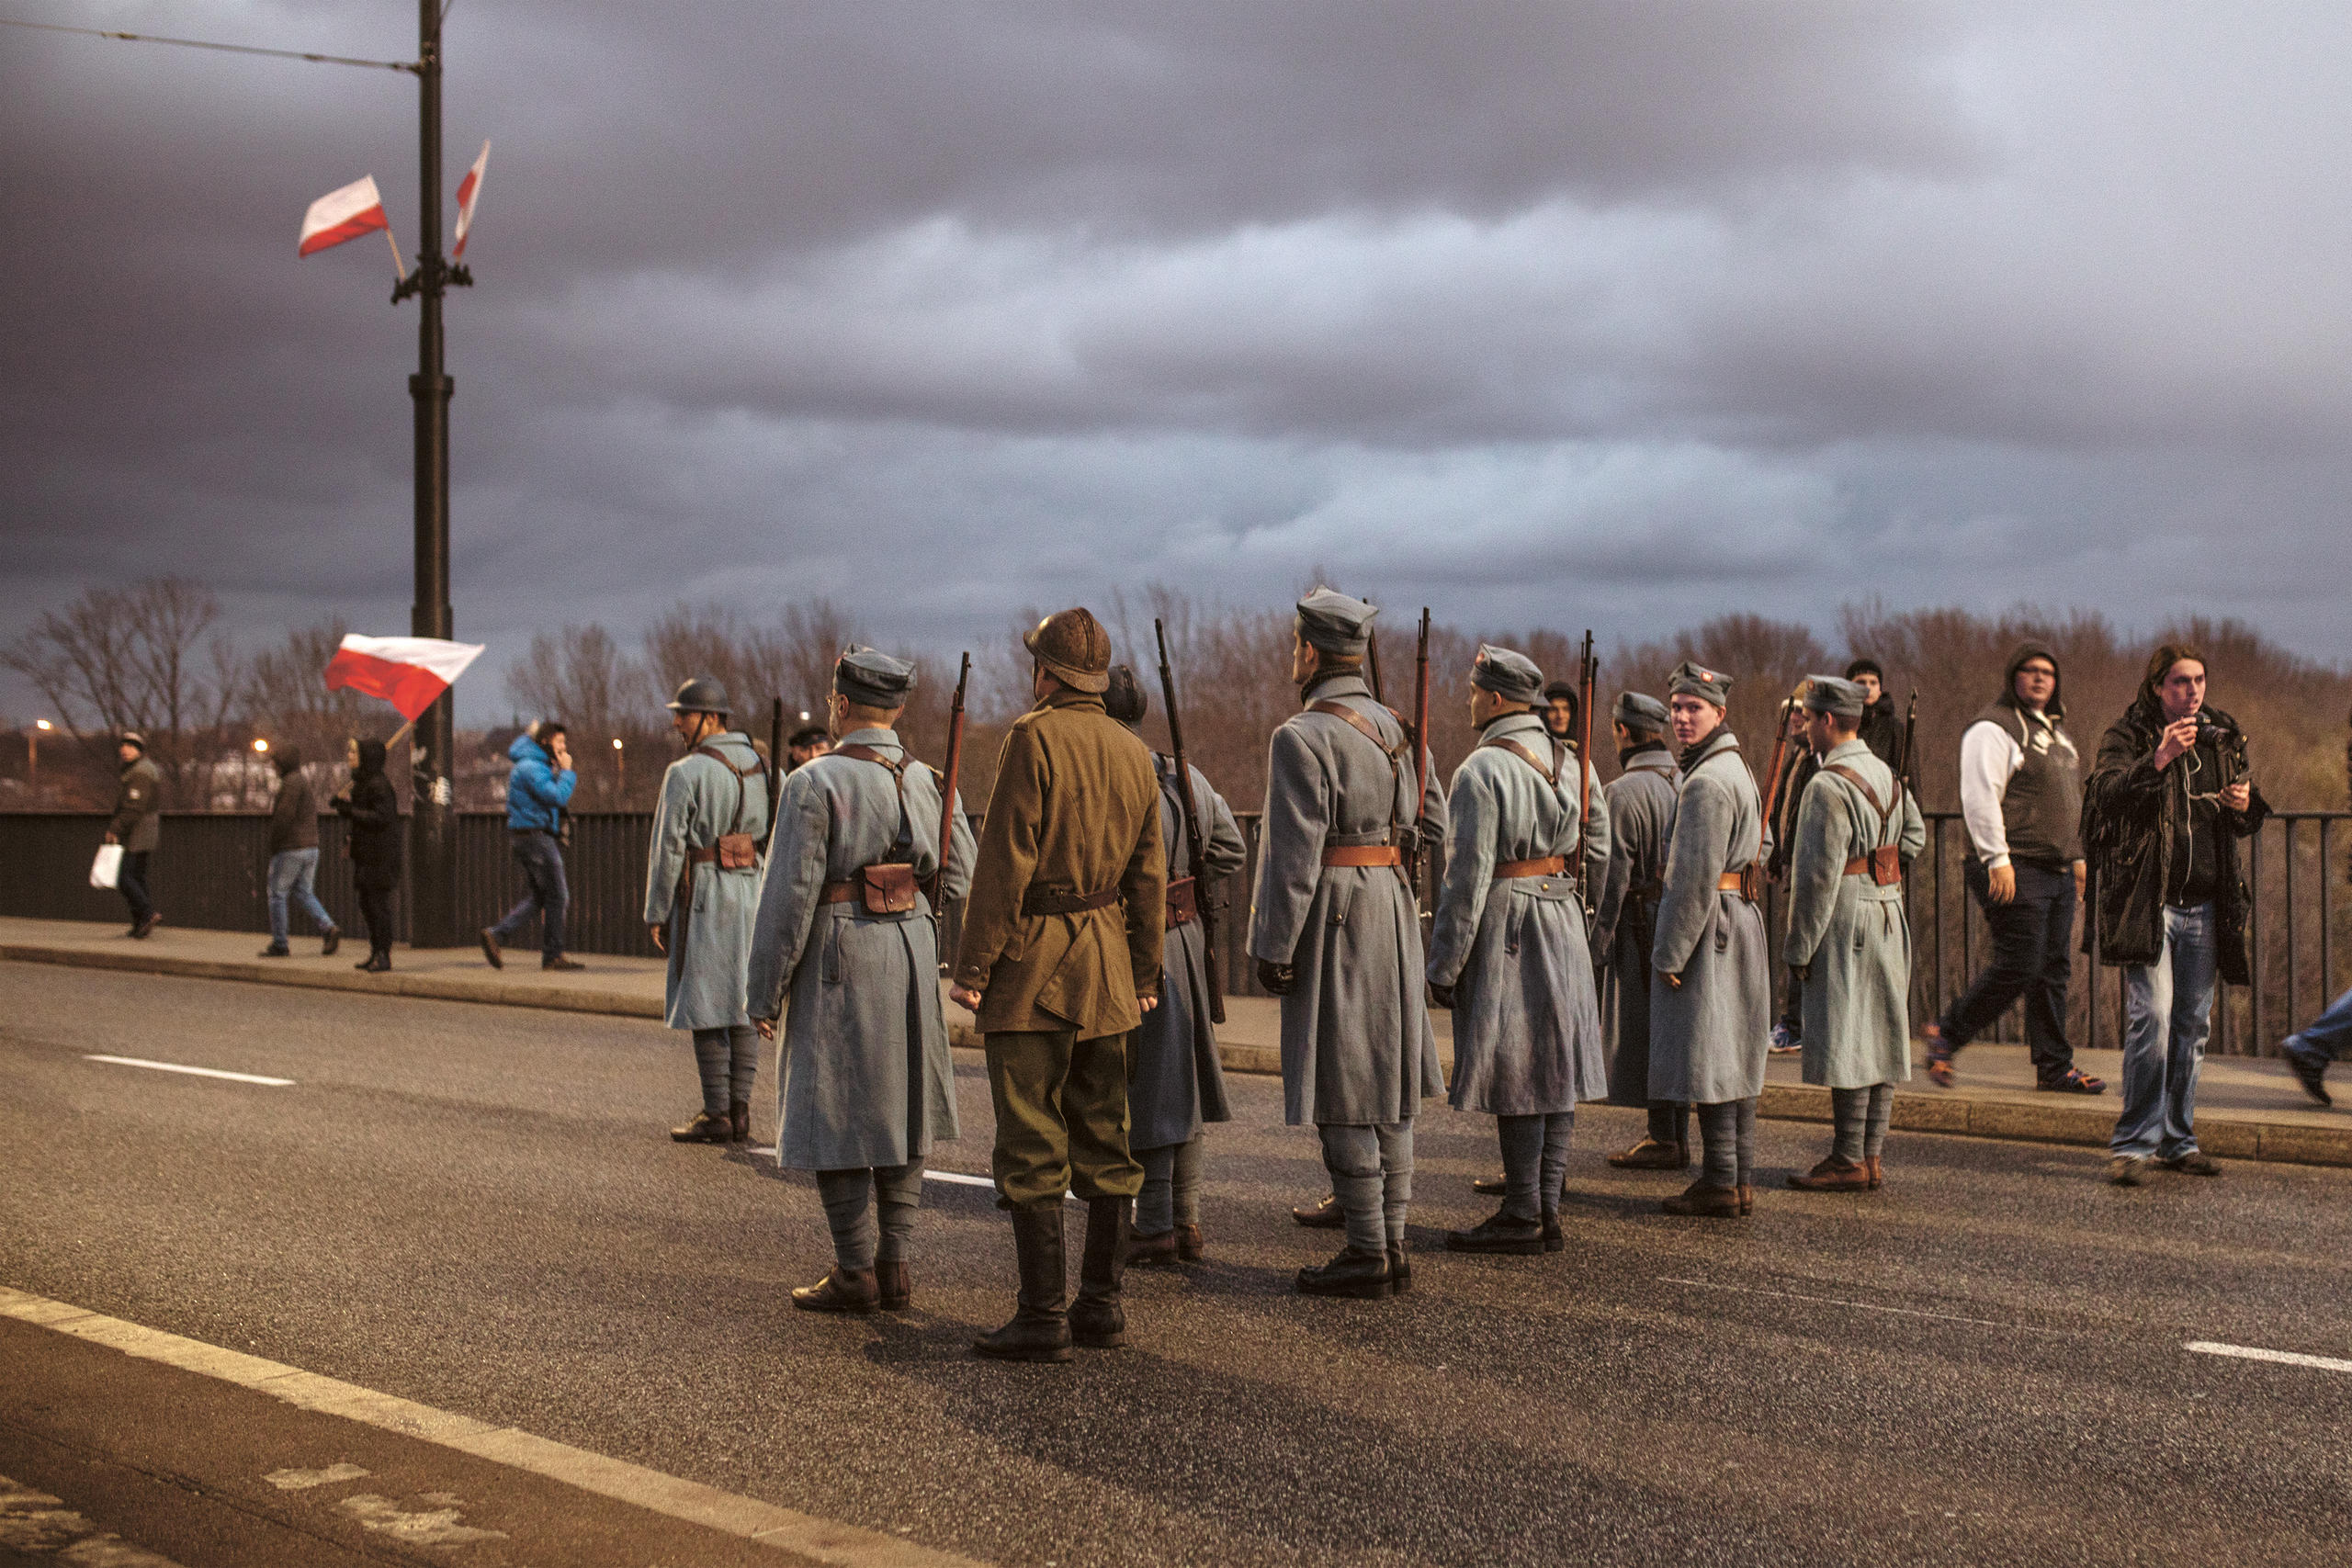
{"type": "Point", "coordinates": [470, 192]}
{"type": "Point", "coordinates": [345, 214]}
{"type": "Point", "coordinates": [410, 672]}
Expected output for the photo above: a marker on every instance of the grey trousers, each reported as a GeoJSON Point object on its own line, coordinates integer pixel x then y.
{"type": "Point", "coordinates": [844, 1193]}
{"type": "Point", "coordinates": [1728, 1131]}
{"type": "Point", "coordinates": [1860, 1116]}
{"type": "Point", "coordinates": [1171, 1188]}
{"type": "Point", "coordinates": [728, 1060]}
{"type": "Point", "coordinates": [1536, 1162]}
{"type": "Point", "coordinates": [1371, 1175]}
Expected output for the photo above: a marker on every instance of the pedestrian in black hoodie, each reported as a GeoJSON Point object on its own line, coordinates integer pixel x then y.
{"type": "Point", "coordinates": [2020, 800]}
{"type": "Point", "coordinates": [373, 809]}
{"type": "Point", "coordinates": [2162, 817]}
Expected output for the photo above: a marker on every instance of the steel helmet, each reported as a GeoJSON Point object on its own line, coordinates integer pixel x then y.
{"type": "Point", "coordinates": [701, 694]}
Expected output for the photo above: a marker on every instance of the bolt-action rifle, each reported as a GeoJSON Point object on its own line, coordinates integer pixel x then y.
{"type": "Point", "coordinates": [1587, 676]}
{"type": "Point", "coordinates": [947, 783]}
{"type": "Point", "coordinates": [1420, 750]}
{"type": "Point", "coordinates": [775, 772]}
{"type": "Point", "coordinates": [1198, 860]}
{"type": "Point", "coordinates": [1910, 733]}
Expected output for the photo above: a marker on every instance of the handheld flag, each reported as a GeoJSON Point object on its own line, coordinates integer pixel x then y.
{"type": "Point", "coordinates": [470, 192]}
{"type": "Point", "coordinates": [410, 672]}
{"type": "Point", "coordinates": [345, 214]}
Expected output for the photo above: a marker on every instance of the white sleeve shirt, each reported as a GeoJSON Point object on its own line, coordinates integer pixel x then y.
{"type": "Point", "coordinates": [1989, 757]}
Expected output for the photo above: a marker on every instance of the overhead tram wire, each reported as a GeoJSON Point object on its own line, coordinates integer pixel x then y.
{"type": "Point", "coordinates": [410, 66]}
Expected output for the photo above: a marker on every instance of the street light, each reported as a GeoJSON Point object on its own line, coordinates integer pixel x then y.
{"type": "Point", "coordinates": [620, 768]}
{"type": "Point", "coordinates": [261, 746]}
{"type": "Point", "coordinates": [32, 751]}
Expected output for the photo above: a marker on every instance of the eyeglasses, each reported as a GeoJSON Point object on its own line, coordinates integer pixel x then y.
{"type": "Point", "coordinates": [2039, 671]}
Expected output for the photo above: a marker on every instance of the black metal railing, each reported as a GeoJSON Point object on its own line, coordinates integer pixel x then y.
{"type": "Point", "coordinates": [211, 872]}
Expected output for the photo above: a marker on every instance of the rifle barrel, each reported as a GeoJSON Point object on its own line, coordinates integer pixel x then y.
{"type": "Point", "coordinates": [1197, 849]}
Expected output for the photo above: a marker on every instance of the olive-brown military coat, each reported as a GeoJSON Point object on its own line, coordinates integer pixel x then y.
{"type": "Point", "coordinates": [1075, 811]}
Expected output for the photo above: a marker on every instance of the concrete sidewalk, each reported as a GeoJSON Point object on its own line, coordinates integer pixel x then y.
{"type": "Point", "coordinates": [2247, 1108]}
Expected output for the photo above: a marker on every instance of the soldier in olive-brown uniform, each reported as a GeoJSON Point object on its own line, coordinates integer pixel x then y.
{"type": "Point", "coordinates": [1060, 958]}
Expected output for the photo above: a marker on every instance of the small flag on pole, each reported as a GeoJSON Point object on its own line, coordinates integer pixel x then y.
{"type": "Point", "coordinates": [345, 214]}
{"type": "Point", "coordinates": [470, 192]}
{"type": "Point", "coordinates": [410, 672]}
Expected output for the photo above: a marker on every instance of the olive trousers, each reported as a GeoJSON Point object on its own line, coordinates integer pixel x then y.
{"type": "Point", "coordinates": [1061, 1116]}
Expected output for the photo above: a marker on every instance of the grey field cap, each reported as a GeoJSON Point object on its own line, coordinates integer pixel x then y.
{"type": "Point", "coordinates": [1829, 695]}
{"type": "Point", "coordinates": [1329, 620]}
{"type": "Point", "coordinates": [1636, 711]}
{"type": "Point", "coordinates": [871, 678]}
{"type": "Point", "coordinates": [1691, 679]}
{"type": "Point", "coordinates": [1509, 674]}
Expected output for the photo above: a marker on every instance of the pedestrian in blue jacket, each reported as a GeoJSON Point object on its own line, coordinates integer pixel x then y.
{"type": "Point", "coordinates": [536, 792]}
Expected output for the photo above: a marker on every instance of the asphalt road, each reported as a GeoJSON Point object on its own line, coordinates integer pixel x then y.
{"type": "Point", "coordinates": [478, 1208]}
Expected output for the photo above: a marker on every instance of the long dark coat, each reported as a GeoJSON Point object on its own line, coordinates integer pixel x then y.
{"type": "Point", "coordinates": [709, 937]}
{"type": "Point", "coordinates": [373, 810]}
{"type": "Point", "coordinates": [1709, 1036]}
{"type": "Point", "coordinates": [1641, 822]}
{"type": "Point", "coordinates": [1175, 1081]}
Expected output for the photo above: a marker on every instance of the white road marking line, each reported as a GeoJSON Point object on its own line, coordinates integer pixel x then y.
{"type": "Point", "coordinates": [1858, 1306]}
{"type": "Point", "coordinates": [959, 1178]}
{"type": "Point", "coordinates": [2284, 1358]}
{"type": "Point", "coordinates": [195, 1072]}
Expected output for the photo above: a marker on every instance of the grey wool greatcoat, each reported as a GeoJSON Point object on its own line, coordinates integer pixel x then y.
{"type": "Point", "coordinates": [1527, 1033]}
{"type": "Point", "coordinates": [867, 1079]}
{"type": "Point", "coordinates": [1175, 1079]}
{"type": "Point", "coordinates": [1708, 1038]}
{"type": "Point", "coordinates": [1846, 933]}
{"type": "Point", "coordinates": [709, 934]}
{"type": "Point", "coordinates": [1357, 1048]}
{"type": "Point", "coordinates": [1641, 821]}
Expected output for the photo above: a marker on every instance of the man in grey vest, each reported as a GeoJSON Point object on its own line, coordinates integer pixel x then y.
{"type": "Point", "coordinates": [1711, 992]}
{"type": "Point", "coordinates": [702, 895]}
{"type": "Point", "coordinates": [1337, 935]}
{"type": "Point", "coordinates": [1507, 946]}
{"type": "Point", "coordinates": [1641, 822]}
{"type": "Point", "coordinates": [848, 930]}
{"type": "Point", "coordinates": [2021, 797]}
{"type": "Point", "coordinates": [1857, 831]}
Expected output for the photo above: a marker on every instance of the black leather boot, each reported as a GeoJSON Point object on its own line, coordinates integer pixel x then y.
{"type": "Point", "coordinates": [739, 1121]}
{"type": "Point", "coordinates": [1362, 1276]}
{"type": "Point", "coordinates": [1099, 1319]}
{"type": "Point", "coordinates": [1502, 1232]}
{"type": "Point", "coordinates": [1039, 1330]}
{"type": "Point", "coordinates": [1400, 1268]}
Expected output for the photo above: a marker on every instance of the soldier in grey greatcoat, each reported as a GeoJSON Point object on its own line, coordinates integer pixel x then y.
{"type": "Point", "coordinates": [1856, 829]}
{"type": "Point", "coordinates": [1175, 1080]}
{"type": "Point", "coordinates": [1507, 946]}
{"type": "Point", "coordinates": [1711, 993]}
{"type": "Point", "coordinates": [1641, 822]}
{"type": "Point", "coordinates": [1336, 934]}
{"type": "Point", "coordinates": [701, 898]}
{"type": "Point", "coordinates": [847, 930]}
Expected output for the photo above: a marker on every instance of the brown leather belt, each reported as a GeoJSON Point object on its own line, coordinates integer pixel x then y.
{"type": "Point", "coordinates": [1858, 867]}
{"type": "Point", "coordinates": [1183, 902]}
{"type": "Point", "coordinates": [838, 893]}
{"type": "Point", "coordinates": [1731, 882]}
{"type": "Point", "coordinates": [702, 856]}
{"type": "Point", "coordinates": [1037, 903]}
{"type": "Point", "coordinates": [1550, 865]}
{"type": "Point", "coordinates": [1364, 854]}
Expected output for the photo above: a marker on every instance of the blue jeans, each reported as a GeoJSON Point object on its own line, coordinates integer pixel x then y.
{"type": "Point", "coordinates": [292, 873]}
{"type": "Point", "coordinates": [2328, 1035]}
{"type": "Point", "coordinates": [541, 859]}
{"type": "Point", "coordinates": [2167, 1013]}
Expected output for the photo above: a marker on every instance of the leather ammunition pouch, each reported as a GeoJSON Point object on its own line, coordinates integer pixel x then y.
{"type": "Point", "coordinates": [1883, 865]}
{"type": "Point", "coordinates": [1183, 901]}
{"type": "Point", "coordinates": [885, 889]}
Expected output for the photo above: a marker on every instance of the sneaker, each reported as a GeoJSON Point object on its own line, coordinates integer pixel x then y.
{"type": "Point", "coordinates": [561, 963]}
{"type": "Point", "coordinates": [146, 927]}
{"type": "Point", "coordinates": [276, 951]}
{"type": "Point", "coordinates": [329, 943]}
{"type": "Point", "coordinates": [2196, 1162]}
{"type": "Point", "coordinates": [490, 948]}
{"type": "Point", "coordinates": [2310, 1069]}
{"type": "Point", "coordinates": [1786, 1042]}
{"type": "Point", "coordinates": [2127, 1170]}
{"type": "Point", "coordinates": [2075, 1081]}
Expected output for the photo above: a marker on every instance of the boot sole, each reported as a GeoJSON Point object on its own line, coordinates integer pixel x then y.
{"type": "Point", "coordinates": [1041, 1353]}
{"type": "Point", "coordinates": [1117, 1341]}
{"type": "Point", "coordinates": [1355, 1291]}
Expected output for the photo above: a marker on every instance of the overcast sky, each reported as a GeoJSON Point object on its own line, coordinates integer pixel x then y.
{"type": "Point", "coordinates": [1553, 313]}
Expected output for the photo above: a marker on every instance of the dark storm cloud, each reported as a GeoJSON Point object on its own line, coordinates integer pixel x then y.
{"type": "Point", "coordinates": [1542, 312]}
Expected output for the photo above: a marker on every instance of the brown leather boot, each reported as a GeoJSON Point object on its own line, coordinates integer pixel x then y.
{"type": "Point", "coordinates": [1702, 1201]}
{"type": "Point", "coordinates": [1651, 1154]}
{"type": "Point", "coordinates": [1491, 1185]}
{"type": "Point", "coordinates": [705, 1128]}
{"type": "Point", "coordinates": [1039, 1330]}
{"type": "Point", "coordinates": [1152, 1251]}
{"type": "Point", "coordinates": [1325, 1215]}
{"type": "Point", "coordinates": [739, 1121]}
{"type": "Point", "coordinates": [1098, 1318]}
{"type": "Point", "coordinates": [841, 1290]}
{"type": "Point", "coordinates": [1189, 1246]}
{"type": "Point", "coordinates": [1870, 1163]}
{"type": "Point", "coordinates": [1833, 1175]}
{"type": "Point", "coordinates": [896, 1280]}
{"type": "Point", "coordinates": [1746, 1199]}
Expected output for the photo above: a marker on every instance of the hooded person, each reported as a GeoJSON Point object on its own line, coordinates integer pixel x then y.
{"type": "Point", "coordinates": [1175, 1080]}
{"type": "Point", "coordinates": [1858, 829]}
{"type": "Point", "coordinates": [1641, 825]}
{"type": "Point", "coordinates": [1336, 933]}
{"type": "Point", "coordinates": [1881, 727]}
{"type": "Point", "coordinates": [2021, 802]}
{"type": "Point", "coordinates": [371, 807]}
{"type": "Point", "coordinates": [294, 857]}
{"type": "Point", "coordinates": [702, 895]}
{"type": "Point", "coordinates": [538, 790]}
{"type": "Point", "coordinates": [845, 951]}
{"type": "Point", "coordinates": [1711, 989]}
{"type": "Point", "coordinates": [1528, 827]}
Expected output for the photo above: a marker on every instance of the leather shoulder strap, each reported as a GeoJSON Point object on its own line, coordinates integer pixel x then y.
{"type": "Point", "coordinates": [1362, 725]}
{"type": "Point", "coordinates": [1396, 758]}
{"type": "Point", "coordinates": [1551, 775]}
{"type": "Point", "coordinates": [741, 795]}
{"type": "Point", "coordinates": [897, 770]}
{"type": "Point", "coordinates": [1886, 812]}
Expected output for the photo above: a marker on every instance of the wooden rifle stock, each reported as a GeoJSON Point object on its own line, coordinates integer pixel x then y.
{"type": "Point", "coordinates": [1587, 676]}
{"type": "Point", "coordinates": [1198, 860]}
{"type": "Point", "coordinates": [947, 786]}
{"type": "Point", "coordinates": [1772, 776]}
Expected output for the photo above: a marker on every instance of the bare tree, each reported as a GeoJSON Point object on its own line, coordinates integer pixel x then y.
{"type": "Point", "coordinates": [287, 701]}
{"type": "Point", "coordinates": [138, 658]}
{"type": "Point", "coordinates": [581, 677]}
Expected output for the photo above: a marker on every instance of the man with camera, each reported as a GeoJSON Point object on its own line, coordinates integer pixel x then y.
{"type": "Point", "coordinates": [2161, 816]}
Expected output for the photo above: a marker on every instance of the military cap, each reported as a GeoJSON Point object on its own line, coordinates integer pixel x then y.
{"type": "Point", "coordinates": [1691, 679]}
{"type": "Point", "coordinates": [1636, 711]}
{"type": "Point", "coordinates": [1074, 649]}
{"type": "Point", "coordinates": [872, 679]}
{"type": "Point", "coordinates": [1125, 699]}
{"type": "Point", "coordinates": [132, 738]}
{"type": "Point", "coordinates": [1511, 676]}
{"type": "Point", "coordinates": [1330, 621]}
{"type": "Point", "coordinates": [1827, 694]}
{"type": "Point", "coordinates": [701, 694]}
